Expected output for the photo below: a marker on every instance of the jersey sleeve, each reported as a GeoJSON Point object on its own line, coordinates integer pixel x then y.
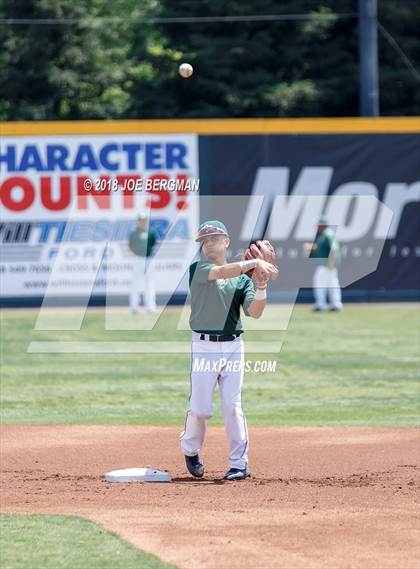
{"type": "Point", "coordinates": [248, 295]}
{"type": "Point", "coordinates": [199, 272]}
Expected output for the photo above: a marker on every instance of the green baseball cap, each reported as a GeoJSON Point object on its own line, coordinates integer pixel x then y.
{"type": "Point", "coordinates": [323, 220]}
{"type": "Point", "coordinates": [208, 228]}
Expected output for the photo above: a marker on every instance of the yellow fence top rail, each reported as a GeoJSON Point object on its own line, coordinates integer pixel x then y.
{"type": "Point", "coordinates": [348, 125]}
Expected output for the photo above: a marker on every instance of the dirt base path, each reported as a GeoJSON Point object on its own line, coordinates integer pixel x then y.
{"type": "Point", "coordinates": [318, 497]}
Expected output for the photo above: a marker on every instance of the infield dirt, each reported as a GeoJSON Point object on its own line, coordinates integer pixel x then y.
{"type": "Point", "coordinates": [318, 497]}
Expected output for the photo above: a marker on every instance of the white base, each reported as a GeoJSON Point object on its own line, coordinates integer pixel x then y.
{"type": "Point", "coordinates": [138, 475]}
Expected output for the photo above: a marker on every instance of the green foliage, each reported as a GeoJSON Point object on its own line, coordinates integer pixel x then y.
{"type": "Point", "coordinates": [91, 67]}
{"type": "Point", "coordinates": [358, 367]}
{"type": "Point", "coordinates": [252, 68]}
{"type": "Point", "coordinates": [66, 542]}
{"type": "Point", "coordinates": [73, 69]}
{"type": "Point", "coordinates": [399, 89]}
{"type": "Point", "coordinates": [288, 99]}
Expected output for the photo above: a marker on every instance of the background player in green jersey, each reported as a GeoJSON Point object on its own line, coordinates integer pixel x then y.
{"type": "Point", "coordinates": [326, 249]}
{"type": "Point", "coordinates": [141, 243]}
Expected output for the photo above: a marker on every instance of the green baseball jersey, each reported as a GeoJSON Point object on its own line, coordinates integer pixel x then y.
{"type": "Point", "coordinates": [215, 305]}
{"type": "Point", "coordinates": [141, 243]}
{"type": "Point", "coordinates": [325, 243]}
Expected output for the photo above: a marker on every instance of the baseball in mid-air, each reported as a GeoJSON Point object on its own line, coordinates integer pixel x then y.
{"type": "Point", "coordinates": [185, 70]}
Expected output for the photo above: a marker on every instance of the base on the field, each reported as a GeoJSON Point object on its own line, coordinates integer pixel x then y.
{"type": "Point", "coordinates": [138, 475]}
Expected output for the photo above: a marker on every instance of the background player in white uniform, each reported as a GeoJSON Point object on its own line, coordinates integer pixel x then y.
{"type": "Point", "coordinates": [326, 249]}
{"type": "Point", "coordinates": [141, 243]}
{"type": "Point", "coordinates": [218, 290]}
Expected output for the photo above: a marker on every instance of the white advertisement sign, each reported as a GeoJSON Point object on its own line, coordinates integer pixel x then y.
{"type": "Point", "coordinates": [69, 203]}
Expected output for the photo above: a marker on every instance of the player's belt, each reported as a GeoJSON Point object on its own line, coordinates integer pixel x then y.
{"type": "Point", "coordinates": [217, 338]}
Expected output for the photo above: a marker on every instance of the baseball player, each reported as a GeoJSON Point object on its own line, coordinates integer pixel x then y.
{"type": "Point", "coordinates": [326, 249]}
{"type": "Point", "coordinates": [218, 290]}
{"type": "Point", "coordinates": [141, 243]}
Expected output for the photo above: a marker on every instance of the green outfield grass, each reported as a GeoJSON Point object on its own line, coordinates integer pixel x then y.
{"type": "Point", "coordinates": [358, 367]}
{"type": "Point", "coordinates": [66, 542]}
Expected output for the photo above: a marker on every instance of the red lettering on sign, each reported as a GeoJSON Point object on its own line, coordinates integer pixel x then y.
{"type": "Point", "coordinates": [158, 198]}
{"type": "Point", "coordinates": [7, 194]}
{"type": "Point", "coordinates": [130, 185]}
{"type": "Point", "coordinates": [181, 193]}
{"type": "Point", "coordinates": [101, 197]}
{"type": "Point", "coordinates": [46, 193]}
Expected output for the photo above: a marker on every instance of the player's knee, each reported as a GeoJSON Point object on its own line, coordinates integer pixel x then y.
{"type": "Point", "coordinates": [232, 408]}
{"type": "Point", "coordinates": [201, 413]}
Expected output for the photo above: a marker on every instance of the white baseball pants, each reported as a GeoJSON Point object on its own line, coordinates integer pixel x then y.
{"type": "Point", "coordinates": [143, 283]}
{"type": "Point", "coordinates": [215, 363]}
{"type": "Point", "coordinates": [325, 282]}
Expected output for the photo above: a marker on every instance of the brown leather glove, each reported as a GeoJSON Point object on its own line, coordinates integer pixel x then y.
{"type": "Point", "coordinates": [260, 250]}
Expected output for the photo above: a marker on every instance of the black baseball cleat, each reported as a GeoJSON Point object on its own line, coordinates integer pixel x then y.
{"type": "Point", "coordinates": [237, 474]}
{"type": "Point", "coordinates": [194, 465]}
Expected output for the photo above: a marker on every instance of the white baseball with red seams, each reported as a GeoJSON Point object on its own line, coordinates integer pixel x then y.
{"type": "Point", "coordinates": [185, 70]}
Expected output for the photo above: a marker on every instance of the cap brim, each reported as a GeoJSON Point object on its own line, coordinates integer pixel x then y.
{"type": "Point", "coordinates": [210, 234]}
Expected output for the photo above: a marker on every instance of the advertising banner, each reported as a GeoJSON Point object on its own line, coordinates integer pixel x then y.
{"type": "Point", "coordinates": [70, 201]}
{"type": "Point", "coordinates": [368, 185]}
{"type": "Point", "coordinates": [68, 205]}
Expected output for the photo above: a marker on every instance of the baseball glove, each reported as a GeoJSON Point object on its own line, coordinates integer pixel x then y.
{"type": "Point", "coordinates": [260, 250]}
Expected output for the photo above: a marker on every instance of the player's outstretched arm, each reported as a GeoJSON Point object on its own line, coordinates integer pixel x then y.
{"type": "Point", "coordinates": [229, 270]}
{"type": "Point", "coordinates": [264, 268]}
